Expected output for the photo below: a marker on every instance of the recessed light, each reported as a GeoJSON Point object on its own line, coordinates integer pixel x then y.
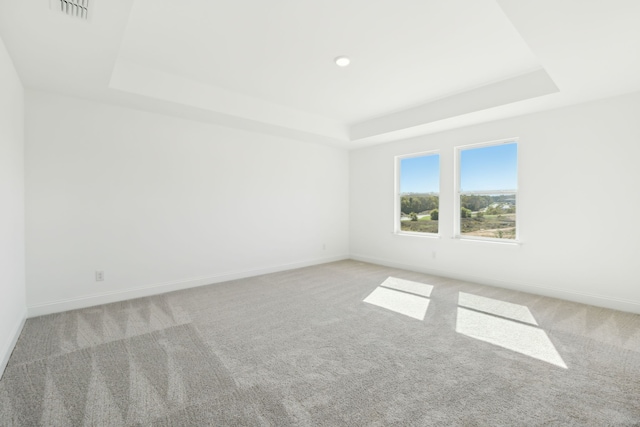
{"type": "Point", "coordinates": [342, 61]}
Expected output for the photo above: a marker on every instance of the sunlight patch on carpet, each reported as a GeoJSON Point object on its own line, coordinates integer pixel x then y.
{"type": "Point", "coordinates": [402, 296]}
{"type": "Point", "coordinates": [499, 308]}
{"type": "Point", "coordinates": [513, 335]}
{"type": "Point", "coordinates": [410, 286]}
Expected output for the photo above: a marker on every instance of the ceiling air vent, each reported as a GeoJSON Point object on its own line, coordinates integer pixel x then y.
{"type": "Point", "coordinates": [74, 8]}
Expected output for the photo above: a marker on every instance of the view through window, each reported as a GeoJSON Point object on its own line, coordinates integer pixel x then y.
{"type": "Point", "coordinates": [488, 191]}
{"type": "Point", "coordinates": [419, 193]}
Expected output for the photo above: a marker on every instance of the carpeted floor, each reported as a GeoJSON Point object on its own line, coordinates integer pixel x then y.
{"type": "Point", "coordinates": [302, 347]}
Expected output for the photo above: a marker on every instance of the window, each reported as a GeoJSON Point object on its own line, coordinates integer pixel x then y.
{"type": "Point", "coordinates": [487, 191]}
{"type": "Point", "coordinates": [418, 193]}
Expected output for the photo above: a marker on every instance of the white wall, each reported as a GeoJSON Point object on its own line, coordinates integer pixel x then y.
{"type": "Point", "coordinates": [162, 203]}
{"type": "Point", "coordinates": [12, 282]}
{"type": "Point", "coordinates": [579, 205]}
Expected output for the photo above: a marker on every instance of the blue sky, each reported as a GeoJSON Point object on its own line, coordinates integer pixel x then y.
{"type": "Point", "coordinates": [485, 168]}
{"type": "Point", "coordinates": [420, 174]}
{"type": "Point", "coordinates": [489, 168]}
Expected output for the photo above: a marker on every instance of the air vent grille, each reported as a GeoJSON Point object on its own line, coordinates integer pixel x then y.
{"type": "Point", "coordinates": [74, 8]}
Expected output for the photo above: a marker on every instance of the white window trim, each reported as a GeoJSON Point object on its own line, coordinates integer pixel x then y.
{"type": "Point", "coordinates": [396, 196]}
{"type": "Point", "coordinates": [457, 193]}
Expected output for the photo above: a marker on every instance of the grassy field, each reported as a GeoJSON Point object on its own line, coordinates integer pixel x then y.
{"type": "Point", "coordinates": [496, 226]}
{"type": "Point", "coordinates": [423, 225]}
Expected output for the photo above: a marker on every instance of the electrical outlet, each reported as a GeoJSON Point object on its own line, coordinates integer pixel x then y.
{"type": "Point", "coordinates": [99, 276]}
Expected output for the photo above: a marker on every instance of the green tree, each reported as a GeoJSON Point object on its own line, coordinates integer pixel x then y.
{"type": "Point", "coordinates": [413, 216]}
{"type": "Point", "coordinates": [434, 215]}
{"type": "Point", "coordinates": [404, 205]}
{"type": "Point", "coordinates": [475, 202]}
{"type": "Point", "coordinates": [418, 203]}
{"type": "Point", "coordinates": [432, 203]}
{"type": "Point", "coordinates": [495, 209]}
{"type": "Point", "coordinates": [465, 213]}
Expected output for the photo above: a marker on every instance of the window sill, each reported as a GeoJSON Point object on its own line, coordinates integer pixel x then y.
{"type": "Point", "coordinates": [409, 234]}
{"type": "Point", "coordinates": [501, 242]}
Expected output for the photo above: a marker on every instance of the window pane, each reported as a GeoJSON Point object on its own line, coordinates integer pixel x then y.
{"type": "Point", "coordinates": [489, 168]}
{"type": "Point", "coordinates": [488, 215]}
{"type": "Point", "coordinates": [488, 187]}
{"type": "Point", "coordinates": [419, 193]}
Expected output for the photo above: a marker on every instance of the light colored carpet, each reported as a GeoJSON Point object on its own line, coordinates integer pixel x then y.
{"type": "Point", "coordinates": [302, 347]}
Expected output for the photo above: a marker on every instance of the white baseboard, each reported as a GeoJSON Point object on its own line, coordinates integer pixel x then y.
{"type": "Point", "coordinates": [161, 288]}
{"type": "Point", "coordinates": [8, 347]}
{"type": "Point", "coordinates": [584, 298]}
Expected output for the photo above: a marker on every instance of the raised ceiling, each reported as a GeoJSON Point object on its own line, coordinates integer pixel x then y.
{"type": "Point", "coordinates": [417, 66]}
{"type": "Point", "coordinates": [403, 53]}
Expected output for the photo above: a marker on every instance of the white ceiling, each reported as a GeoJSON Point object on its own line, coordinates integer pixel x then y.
{"type": "Point", "coordinates": [418, 66]}
{"type": "Point", "coordinates": [404, 53]}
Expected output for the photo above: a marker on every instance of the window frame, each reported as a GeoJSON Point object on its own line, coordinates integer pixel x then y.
{"type": "Point", "coordinates": [397, 206]}
{"type": "Point", "coordinates": [457, 193]}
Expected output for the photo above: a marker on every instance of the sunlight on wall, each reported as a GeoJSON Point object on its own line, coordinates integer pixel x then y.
{"type": "Point", "coordinates": [402, 296]}
{"type": "Point", "coordinates": [494, 327]}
